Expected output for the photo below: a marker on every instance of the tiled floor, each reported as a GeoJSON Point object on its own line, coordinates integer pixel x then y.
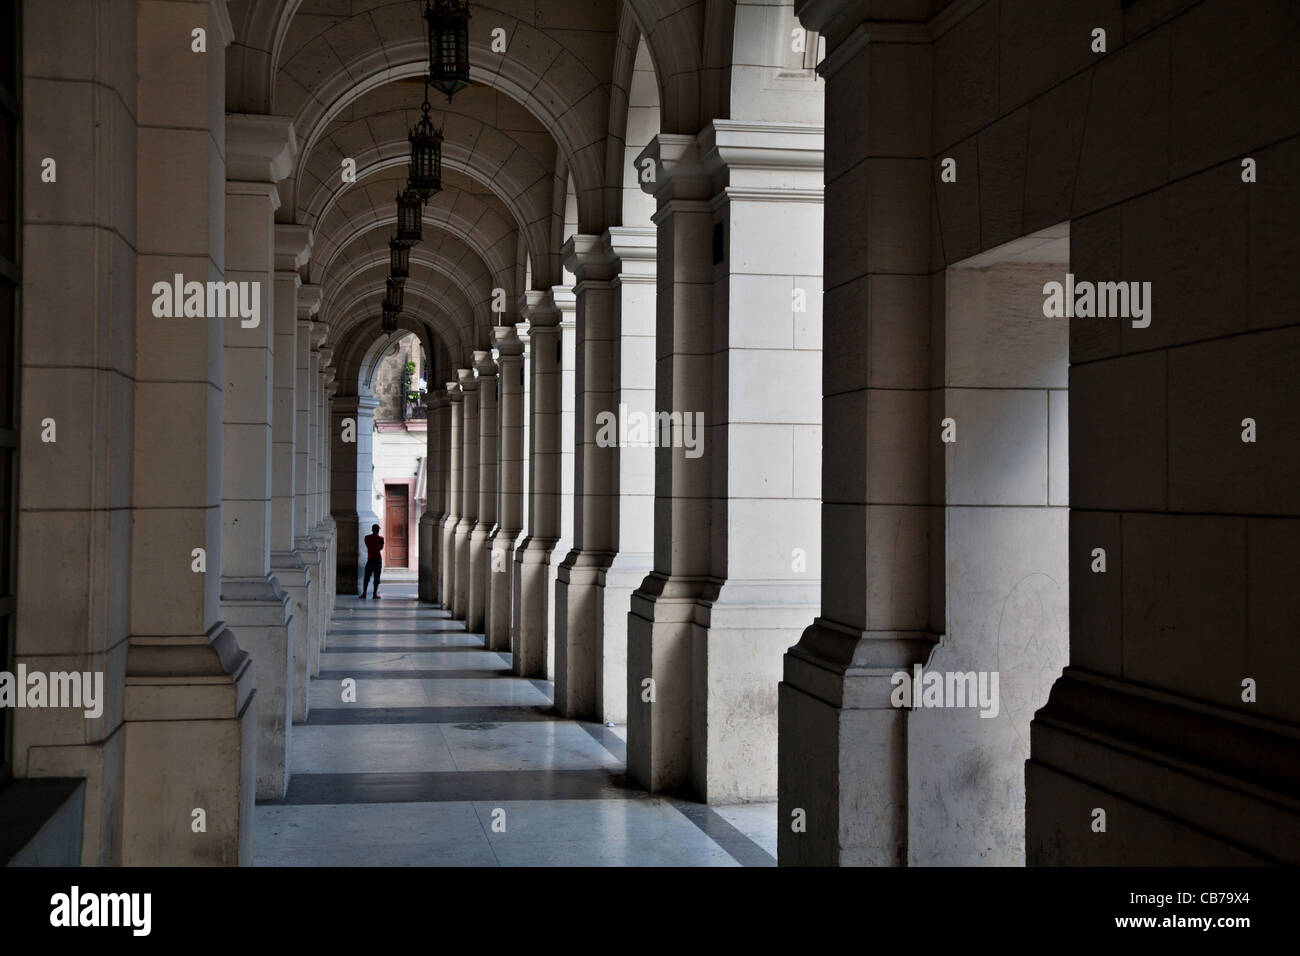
{"type": "Point", "coordinates": [446, 760]}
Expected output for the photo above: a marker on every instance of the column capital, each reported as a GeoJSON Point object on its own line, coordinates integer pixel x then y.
{"type": "Point", "coordinates": [538, 307]}
{"type": "Point", "coordinates": [326, 358]}
{"type": "Point", "coordinates": [505, 339]}
{"type": "Point", "coordinates": [319, 333]}
{"type": "Point", "coordinates": [678, 172]}
{"type": "Point", "coordinates": [454, 394]}
{"type": "Point", "coordinates": [468, 383]}
{"type": "Point", "coordinates": [588, 258]}
{"type": "Point", "coordinates": [293, 243]}
{"type": "Point", "coordinates": [436, 399]}
{"type": "Point", "coordinates": [309, 300]}
{"type": "Point", "coordinates": [259, 148]}
{"type": "Point", "coordinates": [484, 365]}
{"type": "Point", "coordinates": [522, 330]}
{"type": "Point", "coordinates": [741, 156]}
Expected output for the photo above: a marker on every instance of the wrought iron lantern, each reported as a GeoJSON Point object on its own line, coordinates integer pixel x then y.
{"type": "Point", "coordinates": [410, 216]}
{"type": "Point", "coordinates": [426, 156]}
{"type": "Point", "coordinates": [395, 294]}
{"type": "Point", "coordinates": [399, 259]}
{"type": "Point", "coordinates": [448, 45]}
{"type": "Point", "coordinates": [389, 321]}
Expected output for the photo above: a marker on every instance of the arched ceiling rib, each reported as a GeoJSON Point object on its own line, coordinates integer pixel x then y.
{"type": "Point", "coordinates": [557, 64]}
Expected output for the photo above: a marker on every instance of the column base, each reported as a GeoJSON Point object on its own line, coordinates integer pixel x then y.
{"type": "Point", "coordinates": [447, 562]}
{"type": "Point", "coordinates": [297, 572]}
{"type": "Point", "coordinates": [189, 712]}
{"type": "Point", "coordinates": [430, 527]}
{"type": "Point", "coordinates": [323, 608]}
{"type": "Point", "coordinates": [842, 747]}
{"type": "Point", "coordinates": [460, 546]}
{"type": "Point", "coordinates": [1182, 783]}
{"type": "Point", "coordinates": [578, 632]}
{"type": "Point", "coordinates": [501, 558]}
{"type": "Point", "coordinates": [479, 569]}
{"type": "Point", "coordinates": [660, 632]}
{"type": "Point", "coordinates": [529, 638]}
{"type": "Point", "coordinates": [257, 610]}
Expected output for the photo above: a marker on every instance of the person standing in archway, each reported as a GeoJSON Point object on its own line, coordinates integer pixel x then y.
{"type": "Point", "coordinates": [374, 559]}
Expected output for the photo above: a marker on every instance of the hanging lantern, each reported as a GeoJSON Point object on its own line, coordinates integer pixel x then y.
{"type": "Point", "coordinates": [395, 294]}
{"type": "Point", "coordinates": [410, 216]}
{"type": "Point", "coordinates": [448, 45]}
{"type": "Point", "coordinates": [426, 156]}
{"type": "Point", "coordinates": [399, 259]}
{"type": "Point", "coordinates": [389, 321]}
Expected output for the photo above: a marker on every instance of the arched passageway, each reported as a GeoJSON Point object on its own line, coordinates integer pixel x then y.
{"type": "Point", "coordinates": [743, 394]}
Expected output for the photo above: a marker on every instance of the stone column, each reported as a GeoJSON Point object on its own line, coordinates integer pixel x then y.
{"type": "Point", "coordinates": [843, 747]}
{"type": "Point", "coordinates": [661, 619]}
{"type": "Point", "coordinates": [292, 246]}
{"type": "Point", "coordinates": [324, 464]}
{"type": "Point", "coordinates": [260, 152]}
{"type": "Point", "coordinates": [468, 490]}
{"type": "Point", "coordinates": [189, 712]}
{"type": "Point", "coordinates": [577, 621]}
{"type": "Point", "coordinates": [528, 641]}
{"type": "Point", "coordinates": [351, 481]}
{"type": "Point", "coordinates": [521, 330]}
{"type": "Point", "coordinates": [737, 496]}
{"type": "Point", "coordinates": [501, 545]}
{"type": "Point", "coordinates": [435, 500]}
{"type": "Point", "coordinates": [614, 494]}
{"type": "Point", "coordinates": [480, 557]}
{"type": "Point", "coordinates": [456, 422]}
{"type": "Point", "coordinates": [566, 302]}
{"type": "Point", "coordinates": [309, 544]}
{"type": "Point", "coordinates": [86, 330]}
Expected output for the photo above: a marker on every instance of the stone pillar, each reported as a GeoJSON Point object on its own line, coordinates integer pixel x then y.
{"type": "Point", "coordinates": [85, 333]}
{"type": "Point", "coordinates": [324, 464]}
{"type": "Point", "coordinates": [736, 496]}
{"type": "Point", "coordinates": [260, 152]}
{"type": "Point", "coordinates": [566, 302]}
{"type": "Point", "coordinates": [189, 712]}
{"type": "Point", "coordinates": [351, 481]}
{"type": "Point", "coordinates": [614, 493]}
{"type": "Point", "coordinates": [292, 246]}
{"type": "Point", "coordinates": [456, 422]}
{"type": "Point", "coordinates": [577, 622]}
{"type": "Point", "coordinates": [468, 490]}
{"type": "Point", "coordinates": [843, 747]}
{"type": "Point", "coordinates": [480, 557]}
{"type": "Point", "coordinates": [528, 640]}
{"type": "Point", "coordinates": [435, 500]}
{"type": "Point", "coordinates": [501, 545]}
{"type": "Point", "coordinates": [309, 544]}
{"type": "Point", "coordinates": [521, 330]}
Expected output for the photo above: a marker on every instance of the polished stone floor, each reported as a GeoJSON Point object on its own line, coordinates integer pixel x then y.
{"type": "Point", "coordinates": [445, 760]}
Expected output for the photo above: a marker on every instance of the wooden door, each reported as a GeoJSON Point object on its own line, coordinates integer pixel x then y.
{"type": "Point", "coordinates": [395, 522]}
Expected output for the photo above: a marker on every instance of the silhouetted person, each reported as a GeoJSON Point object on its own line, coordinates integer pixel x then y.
{"type": "Point", "coordinates": [374, 559]}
